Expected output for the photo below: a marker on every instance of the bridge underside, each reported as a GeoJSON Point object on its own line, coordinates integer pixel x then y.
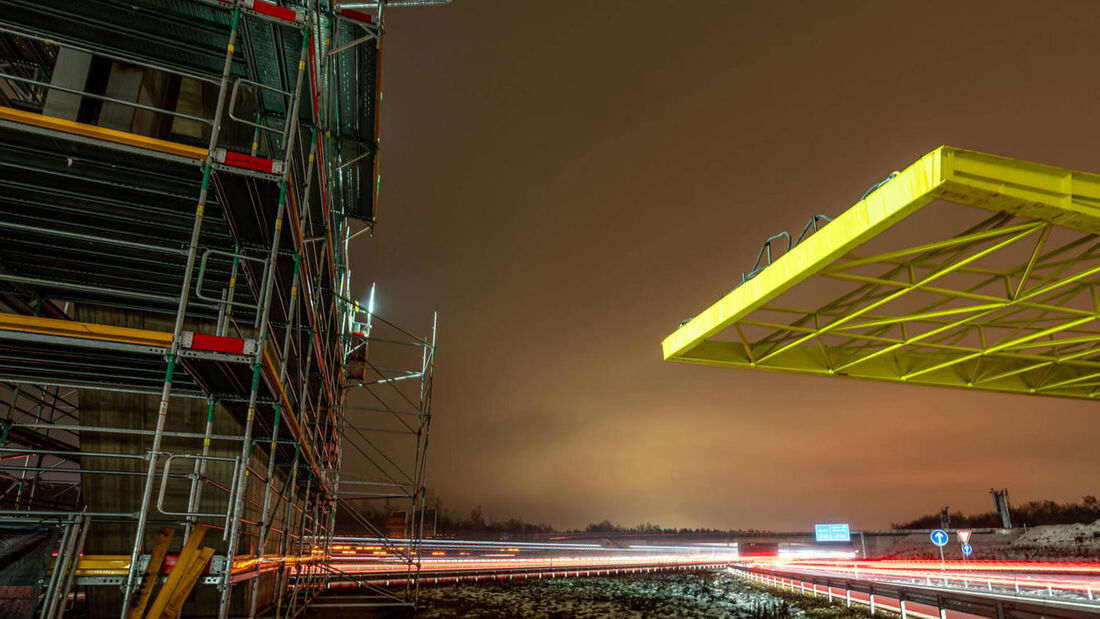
{"type": "Point", "coordinates": [964, 270]}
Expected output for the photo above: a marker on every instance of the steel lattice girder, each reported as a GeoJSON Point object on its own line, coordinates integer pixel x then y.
{"type": "Point", "coordinates": [1007, 304]}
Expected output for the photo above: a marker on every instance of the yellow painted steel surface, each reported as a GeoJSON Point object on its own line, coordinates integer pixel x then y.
{"type": "Point", "coordinates": [83, 330]}
{"type": "Point", "coordinates": [119, 565]}
{"type": "Point", "coordinates": [1007, 304]}
{"type": "Point", "coordinates": [101, 133]}
{"type": "Point", "coordinates": [103, 565]}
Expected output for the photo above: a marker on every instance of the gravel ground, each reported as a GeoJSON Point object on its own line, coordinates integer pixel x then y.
{"type": "Point", "coordinates": [672, 595]}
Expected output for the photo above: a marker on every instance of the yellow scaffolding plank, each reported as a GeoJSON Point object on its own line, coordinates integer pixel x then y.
{"type": "Point", "coordinates": [181, 572]}
{"type": "Point", "coordinates": [152, 571]}
{"type": "Point", "coordinates": [101, 133]}
{"type": "Point", "coordinates": [190, 579]}
{"type": "Point", "coordinates": [1018, 325]}
{"type": "Point", "coordinates": [119, 565]}
{"type": "Point", "coordinates": [83, 330]}
{"type": "Point", "coordinates": [103, 565]}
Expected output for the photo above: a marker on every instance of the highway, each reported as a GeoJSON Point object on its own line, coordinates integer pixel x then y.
{"type": "Point", "coordinates": [372, 561]}
{"type": "Point", "coordinates": [1060, 579]}
{"type": "Point", "coordinates": [943, 590]}
{"type": "Point", "coordinates": [913, 588]}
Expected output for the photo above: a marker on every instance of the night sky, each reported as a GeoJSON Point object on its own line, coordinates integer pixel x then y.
{"type": "Point", "coordinates": [568, 180]}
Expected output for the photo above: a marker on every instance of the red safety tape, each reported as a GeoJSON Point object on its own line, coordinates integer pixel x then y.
{"type": "Point", "coordinates": [241, 160]}
{"type": "Point", "coordinates": [217, 343]}
{"type": "Point", "coordinates": [357, 15]}
{"type": "Point", "coordinates": [274, 10]}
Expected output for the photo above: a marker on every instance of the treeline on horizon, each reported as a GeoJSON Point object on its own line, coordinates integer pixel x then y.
{"type": "Point", "coordinates": [607, 526]}
{"type": "Point", "coordinates": [443, 521]}
{"type": "Point", "coordinates": [476, 523]}
{"type": "Point", "coordinates": [1031, 514]}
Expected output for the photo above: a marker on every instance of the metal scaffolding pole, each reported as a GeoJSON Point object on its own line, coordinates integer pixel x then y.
{"type": "Point", "coordinates": [177, 329]}
{"type": "Point", "coordinates": [268, 287]}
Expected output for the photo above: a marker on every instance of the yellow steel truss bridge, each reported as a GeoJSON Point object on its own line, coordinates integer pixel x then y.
{"type": "Point", "coordinates": [964, 270]}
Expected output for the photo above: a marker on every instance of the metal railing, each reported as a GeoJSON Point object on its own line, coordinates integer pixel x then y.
{"type": "Point", "coordinates": [900, 596]}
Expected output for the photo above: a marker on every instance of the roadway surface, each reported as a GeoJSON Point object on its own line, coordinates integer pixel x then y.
{"type": "Point", "coordinates": [1067, 589]}
{"type": "Point", "coordinates": [376, 562]}
{"type": "Point", "coordinates": [1071, 580]}
{"type": "Point", "coordinates": [1070, 589]}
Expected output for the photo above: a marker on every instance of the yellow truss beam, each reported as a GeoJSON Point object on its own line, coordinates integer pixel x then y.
{"type": "Point", "coordinates": [936, 313]}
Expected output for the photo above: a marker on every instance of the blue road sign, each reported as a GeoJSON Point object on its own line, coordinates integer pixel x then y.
{"type": "Point", "coordinates": [940, 537]}
{"type": "Point", "coordinates": [967, 549]}
{"type": "Point", "coordinates": [832, 533]}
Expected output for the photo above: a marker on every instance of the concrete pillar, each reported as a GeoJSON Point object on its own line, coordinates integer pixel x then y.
{"type": "Point", "coordinates": [124, 84]}
{"type": "Point", "coordinates": [157, 90]}
{"type": "Point", "coordinates": [70, 71]}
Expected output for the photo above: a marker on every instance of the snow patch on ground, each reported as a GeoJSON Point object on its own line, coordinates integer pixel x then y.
{"type": "Point", "coordinates": [659, 595]}
{"type": "Point", "coordinates": [1076, 536]}
{"type": "Point", "coordinates": [675, 595]}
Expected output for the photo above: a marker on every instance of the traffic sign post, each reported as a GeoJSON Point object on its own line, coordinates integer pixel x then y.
{"type": "Point", "coordinates": [940, 539]}
{"type": "Point", "coordinates": [832, 533]}
{"type": "Point", "coordinates": [964, 539]}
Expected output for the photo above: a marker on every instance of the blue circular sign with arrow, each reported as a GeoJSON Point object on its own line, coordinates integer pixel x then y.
{"type": "Point", "coordinates": [940, 537]}
{"type": "Point", "coordinates": [967, 549]}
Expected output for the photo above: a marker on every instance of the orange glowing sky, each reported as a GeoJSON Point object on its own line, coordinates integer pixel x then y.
{"type": "Point", "coordinates": [568, 180]}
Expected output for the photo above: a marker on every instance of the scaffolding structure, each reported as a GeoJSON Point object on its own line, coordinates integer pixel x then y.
{"type": "Point", "coordinates": [180, 347]}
